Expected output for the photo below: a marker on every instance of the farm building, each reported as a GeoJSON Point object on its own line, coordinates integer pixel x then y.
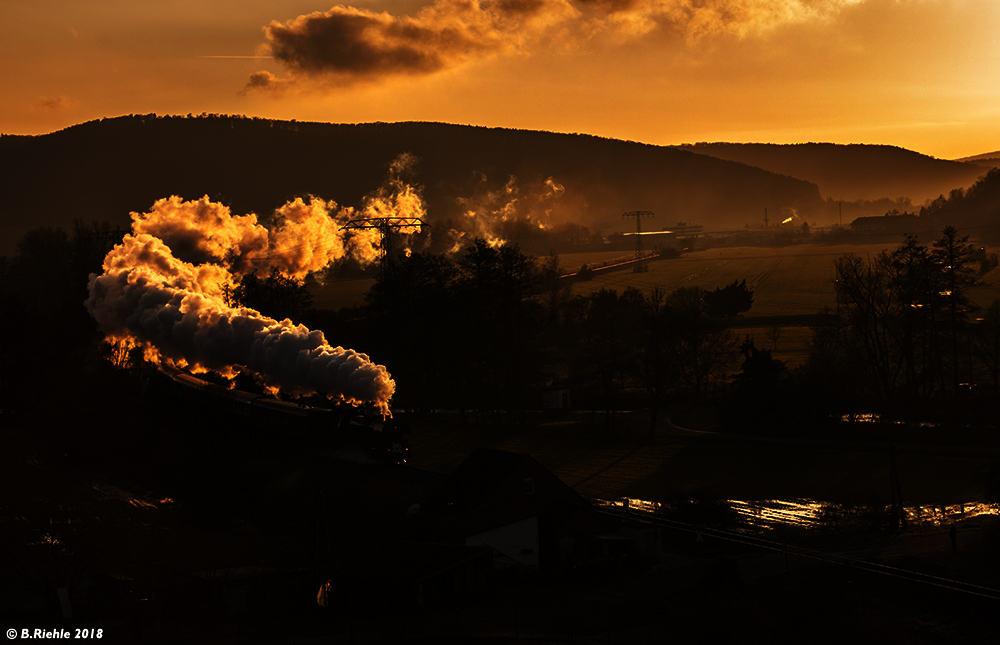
{"type": "Point", "coordinates": [888, 223]}
{"type": "Point", "coordinates": [556, 397]}
{"type": "Point", "coordinates": [651, 240]}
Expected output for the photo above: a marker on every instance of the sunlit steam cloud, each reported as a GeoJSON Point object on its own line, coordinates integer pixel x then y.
{"type": "Point", "coordinates": [164, 288]}
{"type": "Point", "coordinates": [348, 45]}
{"type": "Point", "coordinates": [511, 211]}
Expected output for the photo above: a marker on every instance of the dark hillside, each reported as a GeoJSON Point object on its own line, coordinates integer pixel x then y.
{"type": "Point", "coordinates": [976, 209]}
{"type": "Point", "coordinates": [852, 172]}
{"type": "Point", "coordinates": [105, 169]}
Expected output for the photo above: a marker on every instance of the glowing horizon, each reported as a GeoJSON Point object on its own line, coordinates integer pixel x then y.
{"type": "Point", "coordinates": [919, 74]}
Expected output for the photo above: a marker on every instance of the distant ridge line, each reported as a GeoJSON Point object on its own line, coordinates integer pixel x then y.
{"type": "Point", "coordinates": [986, 156]}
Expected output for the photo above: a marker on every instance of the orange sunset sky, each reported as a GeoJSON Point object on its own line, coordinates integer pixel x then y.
{"type": "Point", "coordinates": [922, 74]}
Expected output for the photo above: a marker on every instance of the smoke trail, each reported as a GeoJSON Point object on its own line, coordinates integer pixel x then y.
{"type": "Point", "coordinates": [164, 288]}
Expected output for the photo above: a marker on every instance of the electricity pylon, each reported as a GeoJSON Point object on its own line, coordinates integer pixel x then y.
{"type": "Point", "coordinates": [385, 226]}
{"type": "Point", "coordinates": [639, 216]}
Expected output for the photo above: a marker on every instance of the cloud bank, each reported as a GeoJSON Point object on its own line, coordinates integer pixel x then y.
{"type": "Point", "coordinates": [346, 46]}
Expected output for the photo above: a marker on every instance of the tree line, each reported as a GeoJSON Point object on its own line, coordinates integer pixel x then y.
{"type": "Point", "coordinates": [45, 332]}
{"type": "Point", "coordinates": [904, 338]}
{"type": "Point", "coordinates": [905, 323]}
{"type": "Point", "coordinates": [489, 331]}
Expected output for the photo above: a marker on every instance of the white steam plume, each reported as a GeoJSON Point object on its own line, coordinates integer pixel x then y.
{"type": "Point", "coordinates": [164, 289]}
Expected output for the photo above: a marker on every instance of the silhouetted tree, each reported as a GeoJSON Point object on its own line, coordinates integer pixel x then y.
{"type": "Point", "coordinates": [953, 255]}
{"type": "Point", "coordinates": [916, 283]}
{"type": "Point", "coordinates": [608, 327]}
{"type": "Point", "coordinates": [870, 308]}
{"type": "Point", "coordinates": [827, 383]}
{"type": "Point", "coordinates": [759, 390]}
{"type": "Point", "coordinates": [43, 321]}
{"type": "Point", "coordinates": [555, 293]}
{"type": "Point", "coordinates": [702, 349]}
{"type": "Point", "coordinates": [760, 373]}
{"type": "Point", "coordinates": [730, 300]}
{"type": "Point", "coordinates": [413, 317]}
{"type": "Point", "coordinates": [986, 343]}
{"type": "Point", "coordinates": [653, 364]}
{"type": "Point", "coordinates": [500, 340]}
{"type": "Point", "coordinates": [276, 295]}
{"type": "Point", "coordinates": [902, 311]}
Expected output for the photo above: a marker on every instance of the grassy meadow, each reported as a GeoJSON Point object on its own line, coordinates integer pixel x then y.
{"type": "Point", "coordinates": [793, 280]}
{"type": "Point", "coordinates": [787, 282]}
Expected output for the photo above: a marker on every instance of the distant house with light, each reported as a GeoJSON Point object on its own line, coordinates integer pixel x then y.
{"type": "Point", "coordinates": [556, 397]}
{"type": "Point", "coordinates": [513, 504]}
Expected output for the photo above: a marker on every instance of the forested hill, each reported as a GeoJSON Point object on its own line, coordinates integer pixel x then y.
{"type": "Point", "coordinates": [987, 160]}
{"type": "Point", "coordinates": [852, 172]}
{"type": "Point", "coordinates": [105, 169]}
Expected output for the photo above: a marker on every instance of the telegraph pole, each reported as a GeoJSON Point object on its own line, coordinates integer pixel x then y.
{"type": "Point", "coordinates": [898, 510]}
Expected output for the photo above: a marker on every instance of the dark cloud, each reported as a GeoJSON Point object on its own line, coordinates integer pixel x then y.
{"type": "Point", "coordinates": [522, 8]}
{"type": "Point", "coordinates": [613, 6]}
{"type": "Point", "coordinates": [348, 45]}
{"type": "Point", "coordinates": [52, 103]}
{"type": "Point", "coordinates": [356, 44]}
{"type": "Point", "coordinates": [267, 83]}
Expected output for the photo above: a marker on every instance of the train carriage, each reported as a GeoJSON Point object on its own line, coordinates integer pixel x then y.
{"type": "Point", "coordinates": [343, 426]}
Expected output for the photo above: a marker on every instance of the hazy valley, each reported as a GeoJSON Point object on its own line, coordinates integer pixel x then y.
{"type": "Point", "coordinates": [471, 178]}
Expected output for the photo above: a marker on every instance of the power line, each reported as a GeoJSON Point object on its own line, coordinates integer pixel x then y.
{"type": "Point", "coordinates": [829, 558]}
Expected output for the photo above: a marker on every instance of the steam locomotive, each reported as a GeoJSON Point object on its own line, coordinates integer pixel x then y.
{"type": "Point", "coordinates": [347, 428]}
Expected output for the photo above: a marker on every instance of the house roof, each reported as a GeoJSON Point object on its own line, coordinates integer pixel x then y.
{"type": "Point", "coordinates": [410, 561]}
{"type": "Point", "coordinates": [489, 475]}
{"type": "Point", "coordinates": [419, 561]}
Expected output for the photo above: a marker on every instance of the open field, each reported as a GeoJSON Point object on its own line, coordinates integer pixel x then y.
{"type": "Point", "coordinates": [793, 280]}
{"type": "Point", "coordinates": [789, 281]}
